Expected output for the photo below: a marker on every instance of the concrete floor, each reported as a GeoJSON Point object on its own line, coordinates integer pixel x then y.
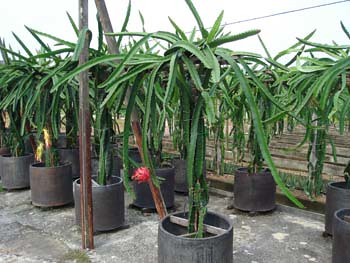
{"type": "Point", "coordinates": [29, 234]}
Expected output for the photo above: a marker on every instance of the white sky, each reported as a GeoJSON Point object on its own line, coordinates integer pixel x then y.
{"type": "Point", "coordinates": [278, 32]}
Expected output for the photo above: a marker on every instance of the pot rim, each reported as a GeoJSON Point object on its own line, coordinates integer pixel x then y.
{"type": "Point", "coordinates": [230, 228]}
{"type": "Point", "coordinates": [342, 221]}
{"type": "Point", "coordinates": [333, 186]}
{"type": "Point", "coordinates": [26, 155]}
{"type": "Point", "coordinates": [265, 171]}
{"type": "Point", "coordinates": [37, 165]}
{"type": "Point", "coordinates": [166, 167]}
{"type": "Point", "coordinates": [120, 181]}
{"type": "Point", "coordinates": [68, 148]}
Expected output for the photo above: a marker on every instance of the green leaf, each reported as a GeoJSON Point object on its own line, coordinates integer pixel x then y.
{"type": "Point", "coordinates": [337, 94]}
{"type": "Point", "coordinates": [209, 107]}
{"type": "Point", "coordinates": [3, 52]}
{"type": "Point", "coordinates": [215, 27]}
{"type": "Point", "coordinates": [264, 47]}
{"type": "Point", "coordinates": [193, 72]}
{"type": "Point", "coordinates": [38, 39]}
{"type": "Point", "coordinates": [328, 78]}
{"type": "Point", "coordinates": [85, 35]}
{"type": "Point", "coordinates": [114, 87]}
{"type": "Point", "coordinates": [231, 38]}
{"type": "Point", "coordinates": [262, 87]}
{"type": "Point", "coordinates": [171, 80]}
{"type": "Point", "coordinates": [178, 30]}
{"type": "Point", "coordinates": [100, 34]}
{"type": "Point", "coordinates": [325, 46]}
{"type": "Point", "coordinates": [193, 141]}
{"type": "Point", "coordinates": [278, 65]}
{"type": "Point", "coordinates": [74, 26]}
{"type": "Point", "coordinates": [193, 34]}
{"type": "Point", "coordinates": [308, 69]}
{"type": "Point", "coordinates": [192, 49]}
{"type": "Point", "coordinates": [214, 62]}
{"type": "Point", "coordinates": [121, 66]}
{"type": "Point", "coordinates": [279, 116]}
{"type": "Point", "coordinates": [344, 29]}
{"type": "Point", "coordinates": [125, 23]}
{"type": "Point", "coordinates": [50, 54]}
{"type": "Point", "coordinates": [294, 47]}
{"type": "Point", "coordinates": [198, 18]}
{"type": "Point", "coordinates": [86, 66]}
{"type": "Point", "coordinates": [334, 149]}
{"type": "Point", "coordinates": [58, 40]}
{"type": "Point", "coordinates": [9, 51]}
{"type": "Point", "coordinates": [22, 45]}
{"type": "Point", "coordinates": [146, 120]}
{"type": "Point", "coordinates": [343, 113]}
{"type": "Point", "coordinates": [166, 36]}
{"type": "Point", "coordinates": [127, 127]}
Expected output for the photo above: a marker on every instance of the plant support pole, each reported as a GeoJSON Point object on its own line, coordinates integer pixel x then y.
{"type": "Point", "coordinates": [85, 137]}
{"type": "Point", "coordinates": [135, 124]}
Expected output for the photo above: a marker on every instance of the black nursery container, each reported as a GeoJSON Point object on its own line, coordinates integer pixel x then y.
{"type": "Point", "coordinates": [107, 204]}
{"type": "Point", "coordinates": [337, 197]}
{"type": "Point", "coordinates": [15, 171]}
{"type": "Point", "coordinates": [254, 192]}
{"type": "Point", "coordinates": [181, 184]}
{"type": "Point", "coordinates": [213, 249]}
{"type": "Point", "coordinates": [114, 161]}
{"type": "Point", "coordinates": [115, 165]}
{"type": "Point", "coordinates": [341, 237]}
{"type": "Point", "coordinates": [134, 154]}
{"type": "Point", "coordinates": [3, 150]}
{"type": "Point", "coordinates": [143, 193]}
{"type": "Point", "coordinates": [51, 186]}
{"type": "Point", "coordinates": [72, 156]}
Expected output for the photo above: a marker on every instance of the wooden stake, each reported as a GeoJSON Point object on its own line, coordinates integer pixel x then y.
{"type": "Point", "coordinates": [156, 194]}
{"type": "Point", "coordinates": [207, 228]}
{"type": "Point", "coordinates": [85, 137]}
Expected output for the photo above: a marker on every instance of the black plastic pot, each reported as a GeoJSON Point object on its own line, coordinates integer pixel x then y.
{"type": "Point", "coordinates": [213, 249]}
{"type": "Point", "coordinates": [27, 144]}
{"type": "Point", "coordinates": [72, 156]}
{"type": "Point", "coordinates": [51, 186]}
{"type": "Point", "coordinates": [15, 171]}
{"type": "Point", "coordinates": [341, 237]}
{"type": "Point", "coordinates": [181, 184]}
{"type": "Point", "coordinates": [337, 197]}
{"type": "Point", "coordinates": [116, 161]}
{"type": "Point", "coordinates": [134, 154]}
{"type": "Point", "coordinates": [254, 192]}
{"type": "Point", "coordinates": [115, 168]}
{"type": "Point", "coordinates": [4, 150]}
{"type": "Point", "coordinates": [107, 204]}
{"type": "Point", "coordinates": [61, 141]}
{"type": "Point", "coordinates": [143, 193]}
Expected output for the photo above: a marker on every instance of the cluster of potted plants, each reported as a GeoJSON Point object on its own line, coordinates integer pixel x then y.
{"type": "Point", "coordinates": [191, 84]}
{"type": "Point", "coordinates": [32, 114]}
{"type": "Point", "coordinates": [320, 91]}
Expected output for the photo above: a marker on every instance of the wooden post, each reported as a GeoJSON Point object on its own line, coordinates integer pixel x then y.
{"type": "Point", "coordinates": [85, 137]}
{"type": "Point", "coordinates": [135, 124]}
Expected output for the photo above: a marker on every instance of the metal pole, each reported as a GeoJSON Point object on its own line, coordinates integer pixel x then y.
{"type": "Point", "coordinates": [85, 137]}
{"type": "Point", "coordinates": [135, 124]}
